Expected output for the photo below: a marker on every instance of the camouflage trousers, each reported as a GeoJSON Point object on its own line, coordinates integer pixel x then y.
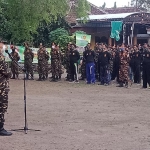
{"type": "Point", "coordinates": [14, 69]}
{"type": "Point", "coordinates": [46, 69]}
{"type": "Point", "coordinates": [123, 73]}
{"type": "Point", "coordinates": [55, 66]}
{"type": "Point", "coordinates": [41, 69]}
{"type": "Point", "coordinates": [29, 68]}
{"type": "Point", "coordinates": [3, 103]}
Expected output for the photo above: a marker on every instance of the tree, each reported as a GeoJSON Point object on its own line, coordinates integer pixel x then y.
{"type": "Point", "coordinates": [115, 5]}
{"type": "Point", "coordinates": [24, 16]}
{"type": "Point", "coordinates": [141, 4]}
{"type": "Point", "coordinates": [60, 36]}
{"type": "Point", "coordinates": [104, 5]}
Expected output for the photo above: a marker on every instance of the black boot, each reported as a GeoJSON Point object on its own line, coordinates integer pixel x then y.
{"type": "Point", "coordinates": [3, 132]}
{"type": "Point", "coordinates": [126, 84]}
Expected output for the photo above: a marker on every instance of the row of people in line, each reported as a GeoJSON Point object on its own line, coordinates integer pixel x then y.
{"type": "Point", "coordinates": [103, 63]}
{"type": "Point", "coordinates": [107, 63]}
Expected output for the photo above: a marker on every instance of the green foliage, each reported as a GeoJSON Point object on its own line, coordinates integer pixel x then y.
{"type": "Point", "coordinates": [61, 37]}
{"type": "Point", "coordinates": [82, 9]}
{"type": "Point", "coordinates": [23, 17]}
{"type": "Point", "coordinates": [54, 35]}
{"type": "Point", "coordinates": [63, 40]}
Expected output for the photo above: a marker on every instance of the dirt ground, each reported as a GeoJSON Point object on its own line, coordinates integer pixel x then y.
{"type": "Point", "coordinates": [78, 117]}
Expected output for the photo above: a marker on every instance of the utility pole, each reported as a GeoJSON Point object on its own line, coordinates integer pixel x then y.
{"type": "Point", "coordinates": [136, 3]}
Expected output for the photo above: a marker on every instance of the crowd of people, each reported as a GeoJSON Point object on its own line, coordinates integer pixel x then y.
{"type": "Point", "coordinates": [124, 64]}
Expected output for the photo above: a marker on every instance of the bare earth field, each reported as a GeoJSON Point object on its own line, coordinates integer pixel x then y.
{"type": "Point", "coordinates": [78, 117]}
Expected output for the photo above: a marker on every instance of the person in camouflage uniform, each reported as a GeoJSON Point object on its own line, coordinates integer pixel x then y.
{"type": "Point", "coordinates": [124, 67]}
{"type": "Point", "coordinates": [60, 62]}
{"type": "Point", "coordinates": [46, 65]}
{"type": "Point", "coordinates": [55, 66]}
{"type": "Point", "coordinates": [14, 66]}
{"type": "Point", "coordinates": [96, 49]}
{"type": "Point", "coordinates": [42, 61]}
{"type": "Point", "coordinates": [28, 59]}
{"type": "Point", "coordinates": [4, 89]}
{"type": "Point", "coordinates": [67, 62]}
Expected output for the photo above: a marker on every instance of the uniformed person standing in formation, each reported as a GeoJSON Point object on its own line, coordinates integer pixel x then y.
{"type": "Point", "coordinates": [96, 49]}
{"type": "Point", "coordinates": [4, 89]}
{"type": "Point", "coordinates": [67, 62]}
{"type": "Point", "coordinates": [14, 66]}
{"type": "Point", "coordinates": [124, 68]}
{"type": "Point", "coordinates": [42, 61]}
{"type": "Point", "coordinates": [55, 63]}
{"type": "Point", "coordinates": [46, 62]}
{"type": "Point", "coordinates": [74, 57]}
{"type": "Point", "coordinates": [28, 59]}
{"type": "Point", "coordinates": [89, 56]}
{"type": "Point", "coordinates": [146, 67]}
{"type": "Point", "coordinates": [104, 59]}
{"type": "Point", "coordinates": [137, 58]}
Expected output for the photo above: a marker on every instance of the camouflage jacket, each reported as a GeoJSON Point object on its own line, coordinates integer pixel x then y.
{"type": "Point", "coordinates": [4, 73]}
{"type": "Point", "coordinates": [28, 56]}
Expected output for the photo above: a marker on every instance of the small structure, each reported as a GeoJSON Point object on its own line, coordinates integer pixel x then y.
{"type": "Point", "coordinates": [136, 24]}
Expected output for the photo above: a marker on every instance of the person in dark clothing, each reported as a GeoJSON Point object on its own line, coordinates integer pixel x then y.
{"type": "Point", "coordinates": [146, 69]}
{"type": "Point", "coordinates": [89, 56]}
{"type": "Point", "coordinates": [137, 65]}
{"type": "Point", "coordinates": [116, 62]}
{"type": "Point", "coordinates": [104, 62]}
{"type": "Point", "coordinates": [74, 58]}
{"type": "Point", "coordinates": [131, 64]}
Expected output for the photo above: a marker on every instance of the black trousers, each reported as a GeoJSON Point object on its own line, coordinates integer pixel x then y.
{"type": "Point", "coordinates": [137, 73]}
{"type": "Point", "coordinates": [146, 75]}
{"type": "Point", "coordinates": [73, 71]}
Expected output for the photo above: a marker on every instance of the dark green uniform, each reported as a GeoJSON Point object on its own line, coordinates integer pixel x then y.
{"type": "Point", "coordinates": [4, 88]}
{"type": "Point", "coordinates": [14, 66]}
{"type": "Point", "coordinates": [28, 59]}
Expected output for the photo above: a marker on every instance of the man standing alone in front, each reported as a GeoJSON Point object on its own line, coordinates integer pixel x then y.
{"type": "Point", "coordinates": [4, 89]}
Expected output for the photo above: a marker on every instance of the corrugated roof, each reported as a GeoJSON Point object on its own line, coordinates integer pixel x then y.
{"type": "Point", "coordinates": [109, 16]}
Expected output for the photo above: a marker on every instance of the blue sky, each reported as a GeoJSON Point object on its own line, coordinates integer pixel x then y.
{"type": "Point", "coordinates": [110, 3]}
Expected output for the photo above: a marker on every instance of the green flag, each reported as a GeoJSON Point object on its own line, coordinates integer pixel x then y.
{"type": "Point", "coordinates": [116, 27]}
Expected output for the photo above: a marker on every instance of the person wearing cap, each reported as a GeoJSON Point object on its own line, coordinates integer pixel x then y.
{"type": "Point", "coordinates": [4, 89]}
{"type": "Point", "coordinates": [41, 56]}
{"type": "Point", "coordinates": [124, 68]}
{"type": "Point", "coordinates": [89, 56]}
{"type": "Point", "coordinates": [74, 57]}
{"type": "Point", "coordinates": [28, 59]}
{"type": "Point", "coordinates": [14, 66]}
{"type": "Point", "coordinates": [55, 59]}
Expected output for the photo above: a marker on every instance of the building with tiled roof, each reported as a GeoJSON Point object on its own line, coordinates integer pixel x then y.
{"type": "Point", "coordinates": [123, 10]}
{"type": "Point", "coordinates": [72, 16]}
